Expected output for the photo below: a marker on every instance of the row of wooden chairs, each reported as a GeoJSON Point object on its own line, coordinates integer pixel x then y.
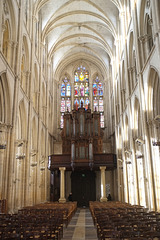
{"type": "Point", "coordinates": [117, 220]}
{"type": "Point", "coordinates": [43, 221]}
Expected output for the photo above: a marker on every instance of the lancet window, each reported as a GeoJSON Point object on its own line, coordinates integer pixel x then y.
{"type": "Point", "coordinates": [65, 98]}
{"type": "Point", "coordinates": [98, 104]}
{"type": "Point", "coordinates": [81, 87]}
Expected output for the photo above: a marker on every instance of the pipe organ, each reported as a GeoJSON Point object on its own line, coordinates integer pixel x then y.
{"type": "Point", "coordinates": [82, 136]}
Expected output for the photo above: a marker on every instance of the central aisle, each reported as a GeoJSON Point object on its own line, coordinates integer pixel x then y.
{"type": "Point", "coordinates": [81, 227]}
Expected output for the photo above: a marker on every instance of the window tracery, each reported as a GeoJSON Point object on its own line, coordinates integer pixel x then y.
{"type": "Point", "coordinates": [81, 93]}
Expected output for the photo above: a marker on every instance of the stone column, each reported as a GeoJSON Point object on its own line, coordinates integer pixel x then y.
{"type": "Point", "coordinates": [73, 154]}
{"type": "Point", "coordinates": [91, 149]}
{"type": "Point", "coordinates": [72, 96]}
{"type": "Point", "coordinates": [91, 153]}
{"type": "Point", "coordinates": [3, 144]}
{"type": "Point", "coordinates": [142, 38]}
{"type": "Point", "coordinates": [103, 185]}
{"type": "Point", "coordinates": [14, 61]}
{"type": "Point", "coordinates": [62, 185]}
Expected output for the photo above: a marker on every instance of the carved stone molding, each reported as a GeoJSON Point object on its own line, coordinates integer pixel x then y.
{"type": "Point", "coordinates": [139, 141]}
{"type": "Point", "coordinates": [5, 7]}
{"type": "Point", "coordinates": [156, 143]}
{"type": "Point", "coordinates": [144, 38]}
{"type": "Point", "coordinates": [20, 142]}
{"type": "Point", "coordinates": [33, 164]}
{"type": "Point", "coordinates": [33, 152]}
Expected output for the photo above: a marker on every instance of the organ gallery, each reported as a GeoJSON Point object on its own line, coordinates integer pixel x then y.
{"type": "Point", "coordinates": [82, 148]}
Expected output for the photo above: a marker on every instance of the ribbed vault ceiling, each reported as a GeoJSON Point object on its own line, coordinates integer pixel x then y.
{"type": "Point", "coordinates": [79, 29]}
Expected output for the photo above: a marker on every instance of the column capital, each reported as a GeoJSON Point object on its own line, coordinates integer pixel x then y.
{"type": "Point", "coordinates": [35, 18]}
{"type": "Point", "coordinates": [62, 168]}
{"type": "Point", "coordinates": [144, 38]}
{"type": "Point", "coordinates": [3, 28]}
{"type": "Point", "coordinates": [103, 168]}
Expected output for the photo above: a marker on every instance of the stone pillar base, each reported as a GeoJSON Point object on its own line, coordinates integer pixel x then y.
{"type": "Point", "coordinates": [103, 199]}
{"type": "Point", "coordinates": [62, 200]}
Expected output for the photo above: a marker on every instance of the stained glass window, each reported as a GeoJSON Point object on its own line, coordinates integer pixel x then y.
{"type": "Point", "coordinates": [100, 89]}
{"type": "Point", "coordinates": [86, 103]}
{"type": "Point", "coordinates": [94, 89]}
{"type": "Point", "coordinates": [81, 93]}
{"type": "Point", "coordinates": [86, 90]}
{"type": "Point", "coordinates": [82, 90]}
{"type": "Point", "coordinates": [81, 87]}
{"type": "Point", "coordinates": [68, 104]}
{"type": "Point", "coordinates": [63, 90]}
{"type": "Point", "coordinates": [76, 92]}
{"type": "Point", "coordinates": [68, 90]}
{"type": "Point", "coordinates": [65, 98]}
{"type": "Point", "coordinates": [98, 99]}
{"type": "Point", "coordinates": [76, 103]}
{"type": "Point", "coordinates": [95, 104]}
{"type": "Point", "coordinates": [62, 121]}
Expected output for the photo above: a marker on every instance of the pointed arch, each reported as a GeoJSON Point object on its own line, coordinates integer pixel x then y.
{"type": "Point", "coordinates": [5, 100]}
{"type": "Point", "coordinates": [25, 65]}
{"type": "Point", "coordinates": [153, 94]}
{"type": "Point", "coordinates": [6, 39]}
{"type": "Point", "coordinates": [34, 135]}
{"type": "Point", "coordinates": [137, 130]}
{"type": "Point", "coordinates": [35, 87]}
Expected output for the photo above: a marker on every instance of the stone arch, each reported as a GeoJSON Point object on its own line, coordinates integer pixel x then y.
{"type": "Point", "coordinates": [9, 37]}
{"type": "Point", "coordinates": [25, 65]}
{"type": "Point", "coordinates": [137, 132]}
{"type": "Point", "coordinates": [35, 87]}
{"type": "Point", "coordinates": [34, 135]}
{"type": "Point", "coordinates": [158, 3]}
{"type": "Point", "coordinates": [9, 10]}
{"type": "Point", "coordinates": [154, 116]}
{"type": "Point", "coordinates": [132, 62]}
{"type": "Point", "coordinates": [22, 121]}
{"type": "Point", "coordinates": [5, 100]}
{"type": "Point", "coordinates": [145, 23]}
{"type": "Point", "coordinates": [148, 30]}
{"type": "Point", "coordinates": [126, 130]}
{"type": "Point", "coordinates": [6, 39]}
{"type": "Point", "coordinates": [27, 12]}
{"type": "Point", "coordinates": [119, 143]}
{"type": "Point", "coordinates": [153, 94]}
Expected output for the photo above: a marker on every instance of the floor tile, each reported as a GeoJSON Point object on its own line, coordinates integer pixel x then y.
{"type": "Point", "coordinates": [81, 227]}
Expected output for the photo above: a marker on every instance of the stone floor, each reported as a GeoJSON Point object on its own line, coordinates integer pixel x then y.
{"type": "Point", "coordinates": [80, 227]}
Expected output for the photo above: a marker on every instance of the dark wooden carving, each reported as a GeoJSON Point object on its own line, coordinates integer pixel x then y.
{"type": "Point", "coordinates": [82, 141]}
